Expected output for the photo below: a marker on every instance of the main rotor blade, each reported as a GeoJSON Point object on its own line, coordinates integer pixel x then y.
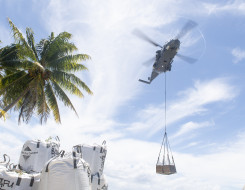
{"type": "Point", "coordinates": [149, 62]}
{"type": "Point", "coordinates": [186, 58]}
{"type": "Point", "coordinates": [146, 38]}
{"type": "Point", "coordinates": [186, 28]}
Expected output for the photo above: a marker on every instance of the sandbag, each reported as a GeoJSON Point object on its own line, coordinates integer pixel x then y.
{"type": "Point", "coordinates": [35, 153]}
{"type": "Point", "coordinates": [11, 180]}
{"type": "Point", "coordinates": [94, 155]}
{"type": "Point", "coordinates": [66, 173]}
{"type": "Point", "coordinates": [98, 182]}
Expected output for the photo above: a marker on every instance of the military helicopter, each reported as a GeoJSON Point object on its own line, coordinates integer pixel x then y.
{"type": "Point", "coordinates": [164, 56]}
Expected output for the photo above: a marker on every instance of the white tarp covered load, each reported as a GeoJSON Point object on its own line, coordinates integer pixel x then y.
{"type": "Point", "coordinates": [66, 173]}
{"type": "Point", "coordinates": [35, 153]}
{"type": "Point", "coordinates": [94, 155]}
{"type": "Point", "coordinates": [99, 182]}
{"type": "Point", "coordinates": [11, 180]}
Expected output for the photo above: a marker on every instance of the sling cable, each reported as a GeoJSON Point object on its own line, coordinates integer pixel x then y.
{"type": "Point", "coordinates": [165, 163]}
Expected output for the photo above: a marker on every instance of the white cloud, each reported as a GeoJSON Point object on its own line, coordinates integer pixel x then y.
{"type": "Point", "coordinates": [103, 30]}
{"type": "Point", "coordinates": [238, 55]}
{"type": "Point", "coordinates": [110, 43]}
{"type": "Point", "coordinates": [192, 101]}
{"type": "Point", "coordinates": [131, 165]}
{"type": "Point", "coordinates": [190, 127]}
{"type": "Point", "coordinates": [237, 6]}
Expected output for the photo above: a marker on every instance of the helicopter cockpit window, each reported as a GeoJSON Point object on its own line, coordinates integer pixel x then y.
{"type": "Point", "coordinates": [158, 54]}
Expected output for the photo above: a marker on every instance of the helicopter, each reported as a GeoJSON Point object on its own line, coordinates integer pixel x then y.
{"type": "Point", "coordinates": [165, 56]}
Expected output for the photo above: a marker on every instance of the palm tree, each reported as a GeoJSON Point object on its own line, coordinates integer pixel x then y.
{"type": "Point", "coordinates": [35, 75]}
{"type": "Point", "coordinates": [1, 111]}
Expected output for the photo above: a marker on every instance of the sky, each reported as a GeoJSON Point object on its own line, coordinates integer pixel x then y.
{"type": "Point", "coordinates": [205, 100]}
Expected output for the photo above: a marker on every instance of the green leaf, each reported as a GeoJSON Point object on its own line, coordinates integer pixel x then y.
{"type": "Point", "coordinates": [52, 102]}
{"type": "Point", "coordinates": [24, 49]}
{"type": "Point", "coordinates": [63, 77]}
{"type": "Point", "coordinates": [33, 76]}
{"type": "Point", "coordinates": [68, 63]}
{"type": "Point", "coordinates": [42, 106]}
{"type": "Point", "coordinates": [62, 96]}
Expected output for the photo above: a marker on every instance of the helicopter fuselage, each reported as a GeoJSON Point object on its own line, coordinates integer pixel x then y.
{"type": "Point", "coordinates": [164, 57]}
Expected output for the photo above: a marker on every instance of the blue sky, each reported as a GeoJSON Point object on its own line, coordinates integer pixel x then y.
{"type": "Point", "coordinates": [205, 100]}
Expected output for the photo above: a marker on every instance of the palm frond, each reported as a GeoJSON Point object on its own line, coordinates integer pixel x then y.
{"type": "Point", "coordinates": [3, 113]}
{"type": "Point", "coordinates": [24, 50]}
{"type": "Point", "coordinates": [9, 52]}
{"type": "Point", "coordinates": [42, 106]}
{"type": "Point", "coordinates": [10, 79]}
{"type": "Point", "coordinates": [62, 96]}
{"type": "Point", "coordinates": [71, 88]}
{"type": "Point", "coordinates": [29, 102]}
{"type": "Point", "coordinates": [52, 102]}
{"type": "Point", "coordinates": [12, 92]}
{"type": "Point", "coordinates": [21, 64]}
{"type": "Point", "coordinates": [16, 99]}
{"type": "Point", "coordinates": [59, 47]}
{"type": "Point", "coordinates": [63, 77]}
{"type": "Point", "coordinates": [69, 63]}
{"type": "Point", "coordinates": [19, 38]}
{"type": "Point", "coordinates": [31, 41]}
{"type": "Point", "coordinates": [33, 76]}
{"type": "Point", "coordinates": [42, 48]}
{"type": "Point", "coordinates": [27, 106]}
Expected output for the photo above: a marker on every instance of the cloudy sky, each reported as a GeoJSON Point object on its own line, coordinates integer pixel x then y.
{"type": "Point", "coordinates": [205, 100]}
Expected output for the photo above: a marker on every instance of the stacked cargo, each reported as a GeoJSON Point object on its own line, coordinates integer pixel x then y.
{"type": "Point", "coordinates": [42, 166]}
{"type": "Point", "coordinates": [95, 156]}
{"type": "Point", "coordinates": [65, 172]}
{"type": "Point", "coordinates": [12, 178]}
{"type": "Point", "coordinates": [35, 153]}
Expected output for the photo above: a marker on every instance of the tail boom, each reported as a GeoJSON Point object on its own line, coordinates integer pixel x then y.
{"type": "Point", "coordinates": [147, 82]}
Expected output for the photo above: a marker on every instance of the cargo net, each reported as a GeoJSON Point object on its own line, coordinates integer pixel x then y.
{"type": "Point", "coordinates": [165, 162]}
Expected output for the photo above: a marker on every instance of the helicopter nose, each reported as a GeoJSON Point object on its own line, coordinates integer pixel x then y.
{"type": "Point", "coordinates": [177, 42]}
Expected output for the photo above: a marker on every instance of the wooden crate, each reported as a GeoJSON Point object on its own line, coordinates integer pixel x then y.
{"type": "Point", "coordinates": [165, 169]}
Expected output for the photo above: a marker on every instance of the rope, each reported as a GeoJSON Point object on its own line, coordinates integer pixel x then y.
{"type": "Point", "coordinates": [165, 125]}
{"type": "Point", "coordinates": [161, 149]}
{"type": "Point", "coordinates": [167, 152]}
{"type": "Point", "coordinates": [165, 102]}
{"type": "Point", "coordinates": [170, 152]}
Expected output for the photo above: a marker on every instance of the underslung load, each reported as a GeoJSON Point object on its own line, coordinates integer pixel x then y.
{"type": "Point", "coordinates": [165, 163]}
